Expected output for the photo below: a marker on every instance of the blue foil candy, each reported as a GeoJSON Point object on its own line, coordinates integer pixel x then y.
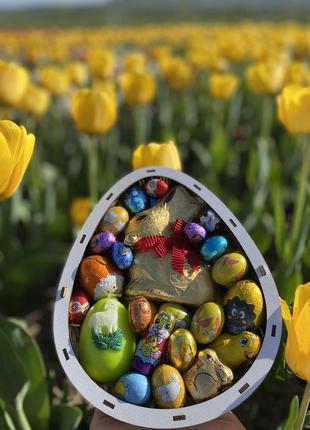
{"type": "Point", "coordinates": [122, 255]}
{"type": "Point", "coordinates": [133, 388]}
{"type": "Point", "coordinates": [135, 200]}
{"type": "Point", "coordinates": [213, 248]}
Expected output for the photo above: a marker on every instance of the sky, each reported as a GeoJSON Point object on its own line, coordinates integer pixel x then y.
{"type": "Point", "coordinates": [23, 4]}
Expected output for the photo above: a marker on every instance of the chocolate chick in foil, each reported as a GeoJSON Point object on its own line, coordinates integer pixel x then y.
{"type": "Point", "coordinates": [166, 266]}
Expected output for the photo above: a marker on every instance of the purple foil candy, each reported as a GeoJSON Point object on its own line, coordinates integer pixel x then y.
{"type": "Point", "coordinates": [102, 241]}
{"type": "Point", "coordinates": [195, 233]}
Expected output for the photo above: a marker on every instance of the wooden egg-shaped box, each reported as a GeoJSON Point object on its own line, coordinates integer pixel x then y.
{"type": "Point", "coordinates": [184, 416]}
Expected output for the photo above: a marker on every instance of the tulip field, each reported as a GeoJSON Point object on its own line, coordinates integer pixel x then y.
{"type": "Point", "coordinates": [227, 104]}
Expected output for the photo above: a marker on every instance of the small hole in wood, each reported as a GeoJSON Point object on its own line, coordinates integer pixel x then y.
{"type": "Point", "coordinates": [232, 222]}
{"type": "Point", "coordinates": [109, 196]}
{"type": "Point", "coordinates": [197, 187]}
{"type": "Point", "coordinates": [108, 404]}
{"type": "Point", "coordinates": [65, 353]}
{"type": "Point", "coordinates": [63, 292]}
{"type": "Point", "coordinates": [179, 418]}
{"type": "Point", "coordinates": [151, 171]}
{"type": "Point", "coordinates": [273, 330]}
{"type": "Point", "coordinates": [261, 271]}
{"type": "Point", "coordinates": [243, 388]}
{"type": "Point", "coordinates": [83, 238]}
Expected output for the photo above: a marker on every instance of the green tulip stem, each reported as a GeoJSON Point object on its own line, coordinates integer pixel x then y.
{"type": "Point", "coordinates": [267, 117]}
{"type": "Point", "coordinates": [303, 408]}
{"type": "Point", "coordinates": [93, 168]}
{"type": "Point", "coordinates": [302, 190]}
{"type": "Point", "coordinates": [140, 123]}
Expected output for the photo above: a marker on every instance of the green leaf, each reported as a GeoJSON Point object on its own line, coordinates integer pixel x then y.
{"type": "Point", "coordinates": [219, 149]}
{"type": "Point", "coordinates": [20, 356]}
{"type": "Point", "coordinates": [279, 368]}
{"type": "Point", "coordinates": [292, 415]}
{"type": "Point", "coordinates": [251, 171]}
{"type": "Point", "coordinates": [6, 422]}
{"type": "Point", "coordinates": [289, 285]}
{"type": "Point", "coordinates": [64, 417]}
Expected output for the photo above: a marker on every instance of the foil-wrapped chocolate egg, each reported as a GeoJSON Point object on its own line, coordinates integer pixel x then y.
{"type": "Point", "coordinates": [194, 232]}
{"type": "Point", "coordinates": [100, 278]}
{"type": "Point", "coordinates": [133, 388]}
{"type": "Point", "coordinates": [78, 308]}
{"type": "Point", "coordinates": [140, 314]}
{"type": "Point", "coordinates": [213, 248]}
{"type": "Point", "coordinates": [168, 387]}
{"type": "Point", "coordinates": [233, 350]}
{"type": "Point", "coordinates": [182, 349]}
{"type": "Point", "coordinates": [243, 306]}
{"type": "Point", "coordinates": [101, 242]}
{"type": "Point", "coordinates": [114, 220]}
{"type": "Point", "coordinates": [207, 376]}
{"type": "Point", "coordinates": [207, 322]}
{"type": "Point", "coordinates": [209, 220]}
{"type": "Point", "coordinates": [229, 268]}
{"type": "Point", "coordinates": [135, 200]}
{"type": "Point", "coordinates": [151, 201]}
{"type": "Point", "coordinates": [156, 187]}
{"type": "Point", "coordinates": [122, 255]}
{"type": "Point", "coordinates": [180, 313]}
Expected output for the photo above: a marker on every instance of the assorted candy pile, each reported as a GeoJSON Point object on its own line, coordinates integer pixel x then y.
{"type": "Point", "coordinates": [166, 306]}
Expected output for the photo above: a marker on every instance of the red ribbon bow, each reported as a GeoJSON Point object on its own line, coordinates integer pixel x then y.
{"type": "Point", "coordinates": [176, 243]}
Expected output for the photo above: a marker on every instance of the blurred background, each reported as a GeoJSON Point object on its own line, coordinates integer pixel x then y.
{"type": "Point", "coordinates": [205, 74]}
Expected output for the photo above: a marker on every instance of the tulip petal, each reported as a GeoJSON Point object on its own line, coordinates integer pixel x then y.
{"type": "Point", "coordinates": [13, 135]}
{"type": "Point", "coordinates": [302, 296]}
{"type": "Point", "coordinates": [5, 163]}
{"type": "Point", "coordinates": [286, 314]}
{"type": "Point", "coordinates": [21, 165]}
{"type": "Point", "coordinates": [302, 325]}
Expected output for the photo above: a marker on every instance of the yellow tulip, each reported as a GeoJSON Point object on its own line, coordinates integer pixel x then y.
{"type": "Point", "coordinates": [93, 111]}
{"type": "Point", "coordinates": [297, 73]}
{"type": "Point", "coordinates": [35, 100]}
{"type": "Point", "coordinates": [223, 86]}
{"type": "Point", "coordinates": [77, 73]}
{"type": "Point", "coordinates": [157, 154]}
{"type": "Point", "coordinates": [297, 349]}
{"type": "Point", "coordinates": [105, 85]}
{"type": "Point", "coordinates": [134, 61]}
{"type": "Point", "coordinates": [101, 63]}
{"type": "Point", "coordinates": [16, 147]}
{"type": "Point", "coordinates": [178, 74]}
{"type": "Point", "coordinates": [138, 87]}
{"type": "Point", "coordinates": [54, 79]}
{"type": "Point", "coordinates": [13, 82]}
{"type": "Point", "coordinates": [265, 77]}
{"type": "Point", "coordinates": [294, 108]}
{"type": "Point", "coordinates": [80, 208]}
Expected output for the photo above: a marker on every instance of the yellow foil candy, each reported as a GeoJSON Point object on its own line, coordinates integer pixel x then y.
{"type": "Point", "coordinates": [233, 350]}
{"type": "Point", "coordinates": [229, 268]}
{"type": "Point", "coordinates": [182, 349]}
{"type": "Point", "coordinates": [114, 220]}
{"type": "Point", "coordinates": [243, 305]}
{"type": "Point", "coordinates": [168, 387]}
{"type": "Point", "coordinates": [153, 277]}
{"type": "Point", "coordinates": [207, 322]}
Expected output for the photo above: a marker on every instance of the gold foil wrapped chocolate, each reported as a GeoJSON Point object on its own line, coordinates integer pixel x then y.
{"type": "Point", "coordinates": [207, 376]}
{"type": "Point", "coordinates": [154, 277]}
{"type": "Point", "coordinates": [182, 349]}
{"type": "Point", "coordinates": [168, 387]}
